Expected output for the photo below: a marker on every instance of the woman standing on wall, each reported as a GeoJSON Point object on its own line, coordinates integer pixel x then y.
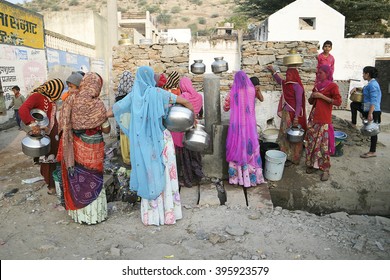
{"type": "Point", "coordinates": [292, 111]}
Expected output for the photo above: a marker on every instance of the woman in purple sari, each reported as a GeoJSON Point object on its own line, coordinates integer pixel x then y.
{"type": "Point", "coordinates": [242, 145]}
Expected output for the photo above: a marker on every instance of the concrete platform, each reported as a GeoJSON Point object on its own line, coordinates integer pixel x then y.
{"type": "Point", "coordinates": [258, 197]}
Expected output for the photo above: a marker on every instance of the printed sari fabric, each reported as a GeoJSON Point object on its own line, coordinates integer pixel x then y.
{"type": "Point", "coordinates": [81, 153]}
{"type": "Point", "coordinates": [166, 208]}
{"type": "Point", "coordinates": [242, 145]}
{"type": "Point", "coordinates": [317, 145]}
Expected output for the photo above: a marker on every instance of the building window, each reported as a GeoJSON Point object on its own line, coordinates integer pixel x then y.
{"type": "Point", "coordinates": [306, 23]}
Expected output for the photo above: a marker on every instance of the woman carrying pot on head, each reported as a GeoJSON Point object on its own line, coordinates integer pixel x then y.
{"type": "Point", "coordinates": [153, 174]}
{"type": "Point", "coordinates": [189, 163]}
{"type": "Point", "coordinates": [371, 110]}
{"type": "Point", "coordinates": [44, 98]}
{"type": "Point", "coordinates": [81, 153]}
{"type": "Point", "coordinates": [292, 111]}
{"type": "Point", "coordinates": [320, 141]}
{"type": "Point", "coordinates": [242, 144]}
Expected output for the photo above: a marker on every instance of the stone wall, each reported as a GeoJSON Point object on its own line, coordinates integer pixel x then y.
{"type": "Point", "coordinates": [254, 57]}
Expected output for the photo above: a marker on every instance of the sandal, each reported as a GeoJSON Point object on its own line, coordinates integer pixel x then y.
{"type": "Point", "coordinates": [325, 176]}
{"type": "Point", "coordinates": [310, 170]}
{"type": "Point", "coordinates": [368, 155]}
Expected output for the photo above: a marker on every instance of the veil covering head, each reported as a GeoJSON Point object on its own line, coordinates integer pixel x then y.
{"type": "Point", "coordinates": [52, 89]}
{"type": "Point", "coordinates": [242, 138]}
{"type": "Point", "coordinates": [148, 105]}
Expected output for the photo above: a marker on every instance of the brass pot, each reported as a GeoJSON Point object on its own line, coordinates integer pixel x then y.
{"type": "Point", "coordinates": [293, 59]}
{"type": "Point", "coordinates": [357, 96]}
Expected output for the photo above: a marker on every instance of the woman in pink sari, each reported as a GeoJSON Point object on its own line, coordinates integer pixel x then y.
{"type": "Point", "coordinates": [189, 163]}
{"type": "Point", "coordinates": [242, 145]}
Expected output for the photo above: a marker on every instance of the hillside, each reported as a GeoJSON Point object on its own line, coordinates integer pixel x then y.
{"type": "Point", "coordinates": [200, 16]}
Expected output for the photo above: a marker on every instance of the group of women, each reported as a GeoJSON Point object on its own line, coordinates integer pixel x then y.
{"type": "Point", "coordinates": [77, 146]}
{"type": "Point", "coordinates": [159, 161]}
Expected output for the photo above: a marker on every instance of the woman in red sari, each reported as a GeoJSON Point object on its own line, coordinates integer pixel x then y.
{"type": "Point", "coordinates": [292, 111]}
{"type": "Point", "coordinates": [44, 98]}
{"type": "Point", "coordinates": [81, 152]}
{"type": "Point", "coordinates": [320, 133]}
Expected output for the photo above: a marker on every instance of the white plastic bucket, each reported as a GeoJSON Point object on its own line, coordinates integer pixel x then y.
{"type": "Point", "coordinates": [274, 165]}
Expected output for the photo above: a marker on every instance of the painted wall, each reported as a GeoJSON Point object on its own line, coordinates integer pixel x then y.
{"type": "Point", "coordinates": [22, 54]}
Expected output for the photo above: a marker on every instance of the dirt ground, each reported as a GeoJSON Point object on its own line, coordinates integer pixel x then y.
{"type": "Point", "coordinates": [34, 227]}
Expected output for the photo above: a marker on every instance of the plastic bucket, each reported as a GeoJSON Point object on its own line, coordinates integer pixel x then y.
{"type": "Point", "coordinates": [274, 165]}
{"type": "Point", "coordinates": [264, 147]}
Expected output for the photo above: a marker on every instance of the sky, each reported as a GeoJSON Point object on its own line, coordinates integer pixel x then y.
{"type": "Point", "coordinates": [17, 1]}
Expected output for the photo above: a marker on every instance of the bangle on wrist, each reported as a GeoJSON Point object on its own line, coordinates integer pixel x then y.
{"type": "Point", "coordinates": [331, 101]}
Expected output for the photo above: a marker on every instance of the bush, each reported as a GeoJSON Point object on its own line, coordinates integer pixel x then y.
{"type": "Point", "coordinates": [73, 3]}
{"type": "Point", "coordinates": [202, 20]}
{"type": "Point", "coordinates": [175, 10]}
{"type": "Point", "coordinates": [214, 15]}
{"type": "Point", "coordinates": [185, 19]}
{"type": "Point", "coordinates": [164, 18]}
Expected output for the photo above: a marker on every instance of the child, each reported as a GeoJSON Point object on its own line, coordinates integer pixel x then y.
{"type": "Point", "coordinates": [325, 58]}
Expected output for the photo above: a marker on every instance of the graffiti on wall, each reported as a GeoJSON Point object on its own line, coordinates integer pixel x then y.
{"type": "Point", "coordinates": [20, 27]}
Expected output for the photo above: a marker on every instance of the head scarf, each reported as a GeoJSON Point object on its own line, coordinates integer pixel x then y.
{"type": "Point", "coordinates": [173, 80]}
{"type": "Point", "coordinates": [52, 89]}
{"type": "Point", "coordinates": [242, 139]}
{"type": "Point", "coordinates": [160, 79]}
{"type": "Point", "coordinates": [148, 105]}
{"type": "Point", "coordinates": [81, 110]}
{"type": "Point", "coordinates": [196, 99]}
{"type": "Point", "coordinates": [288, 96]}
{"type": "Point", "coordinates": [320, 85]}
{"type": "Point", "coordinates": [125, 85]}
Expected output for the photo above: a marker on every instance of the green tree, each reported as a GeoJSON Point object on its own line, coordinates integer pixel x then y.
{"type": "Point", "coordinates": [164, 17]}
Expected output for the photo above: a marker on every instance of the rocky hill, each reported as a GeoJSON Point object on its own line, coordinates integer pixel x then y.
{"type": "Point", "coordinates": [200, 16]}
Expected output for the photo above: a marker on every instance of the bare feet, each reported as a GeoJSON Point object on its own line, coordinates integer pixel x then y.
{"type": "Point", "coordinates": [325, 176]}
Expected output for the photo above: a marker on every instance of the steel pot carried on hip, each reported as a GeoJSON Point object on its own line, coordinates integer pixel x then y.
{"type": "Point", "coordinates": [196, 139]}
{"type": "Point", "coordinates": [370, 128]}
{"type": "Point", "coordinates": [35, 145]}
{"type": "Point", "coordinates": [179, 119]}
{"type": "Point", "coordinates": [295, 134]}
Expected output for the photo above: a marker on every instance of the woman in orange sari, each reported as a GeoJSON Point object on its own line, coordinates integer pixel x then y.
{"type": "Point", "coordinates": [81, 152]}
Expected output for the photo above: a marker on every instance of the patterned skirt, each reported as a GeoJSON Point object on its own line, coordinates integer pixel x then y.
{"type": "Point", "coordinates": [166, 208]}
{"type": "Point", "coordinates": [317, 146]}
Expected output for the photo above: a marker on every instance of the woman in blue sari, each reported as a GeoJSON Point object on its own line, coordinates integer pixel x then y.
{"type": "Point", "coordinates": [154, 174]}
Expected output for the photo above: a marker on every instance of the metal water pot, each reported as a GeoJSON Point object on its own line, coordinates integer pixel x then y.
{"type": "Point", "coordinates": [370, 128]}
{"type": "Point", "coordinates": [40, 118]}
{"type": "Point", "coordinates": [357, 96]}
{"type": "Point", "coordinates": [196, 139]}
{"type": "Point", "coordinates": [179, 118]}
{"type": "Point", "coordinates": [219, 65]}
{"type": "Point", "coordinates": [35, 145]}
{"type": "Point", "coordinates": [293, 59]}
{"type": "Point", "coordinates": [198, 67]}
{"type": "Point", "coordinates": [295, 134]}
